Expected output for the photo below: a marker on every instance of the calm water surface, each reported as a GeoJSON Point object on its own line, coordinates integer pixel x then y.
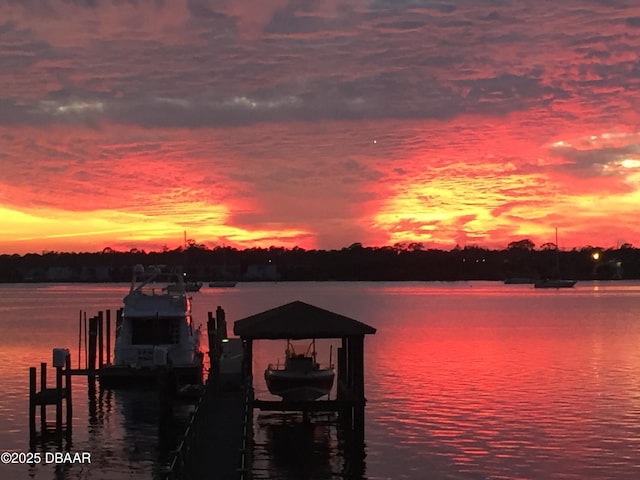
{"type": "Point", "coordinates": [463, 380]}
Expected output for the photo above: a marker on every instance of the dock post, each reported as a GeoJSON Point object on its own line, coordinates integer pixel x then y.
{"type": "Point", "coordinates": [100, 339]}
{"type": "Point", "coordinates": [79, 338]}
{"type": "Point", "coordinates": [32, 404]}
{"type": "Point", "coordinates": [213, 346]}
{"type": "Point", "coordinates": [86, 359]}
{"type": "Point", "coordinates": [59, 395]}
{"type": "Point", "coordinates": [68, 394]}
{"type": "Point", "coordinates": [221, 323]}
{"type": "Point", "coordinates": [43, 387]}
{"type": "Point", "coordinates": [108, 337]}
{"type": "Point", "coordinates": [93, 334]}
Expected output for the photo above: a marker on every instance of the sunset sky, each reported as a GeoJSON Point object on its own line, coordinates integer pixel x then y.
{"type": "Point", "coordinates": [125, 123]}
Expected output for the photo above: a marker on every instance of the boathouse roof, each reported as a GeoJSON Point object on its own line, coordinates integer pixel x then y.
{"type": "Point", "coordinates": [298, 320]}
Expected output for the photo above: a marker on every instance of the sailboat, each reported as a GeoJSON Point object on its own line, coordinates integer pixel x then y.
{"type": "Point", "coordinates": [555, 282]}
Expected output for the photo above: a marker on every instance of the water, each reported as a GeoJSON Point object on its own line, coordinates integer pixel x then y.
{"type": "Point", "coordinates": [464, 381]}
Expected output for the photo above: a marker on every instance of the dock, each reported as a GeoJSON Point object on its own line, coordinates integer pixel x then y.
{"type": "Point", "coordinates": [218, 440]}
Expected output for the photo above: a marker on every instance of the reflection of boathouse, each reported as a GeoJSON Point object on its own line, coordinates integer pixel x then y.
{"type": "Point", "coordinates": [299, 321]}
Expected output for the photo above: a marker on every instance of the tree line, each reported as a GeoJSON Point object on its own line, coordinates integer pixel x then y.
{"type": "Point", "coordinates": [410, 261]}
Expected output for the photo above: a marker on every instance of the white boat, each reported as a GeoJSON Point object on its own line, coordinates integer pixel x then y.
{"type": "Point", "coordinates": [156, 330]}
{"type": "Point", "coordinates": [301, 378]}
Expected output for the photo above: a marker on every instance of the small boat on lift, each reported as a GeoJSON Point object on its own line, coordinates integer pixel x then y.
{"type": "Point", "coordinates": [301, 378]}
{"type": "Point", "coordinates": [156, 331]}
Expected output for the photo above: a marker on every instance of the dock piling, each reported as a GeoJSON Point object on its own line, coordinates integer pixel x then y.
{"type": "Point", "coordinates": [93, 336]}
{"type": "Point", "coordinates": [100, 339]}
{"type": "Point", "coordinates": [43, 387]}
{"type": "Point", "coordinates": [32, 403]}
{"type": "Point", "coordinates": [108, 337]}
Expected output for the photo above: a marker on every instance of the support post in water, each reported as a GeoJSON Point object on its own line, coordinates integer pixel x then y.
{"type": "Point", "coordinates": [32, 404]}
{"type": "Point", "coordinates": [100, 339]}
{"type": "Point", "coordinates": [108, 337]}
{"type": "Point", "coordinates": [68, 395]}
{"type": "Point", "coordinates": [93, 334]}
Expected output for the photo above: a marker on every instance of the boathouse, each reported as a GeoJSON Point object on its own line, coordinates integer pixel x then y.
{"type": "Point", "coordinates": [298, 321]}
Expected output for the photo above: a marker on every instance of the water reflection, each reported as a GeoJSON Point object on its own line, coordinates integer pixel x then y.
{"type": "Point", "coordinates": [288, 448]}
{"type": "Point", "coordinates": [463, 381]}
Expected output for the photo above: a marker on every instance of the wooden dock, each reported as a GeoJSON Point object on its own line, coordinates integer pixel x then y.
{"type": "Point", "coordinates": [218, 441]}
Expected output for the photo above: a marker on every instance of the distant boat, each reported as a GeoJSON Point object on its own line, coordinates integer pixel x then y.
{"type": "Point", "coordinates": [223, 284]}
{"type": "Point", "coordinates": [555, 282]}
{"type": "Point", "coordinates": [301, 378]}
{"type": "Point", "coordinates": [517, 280]}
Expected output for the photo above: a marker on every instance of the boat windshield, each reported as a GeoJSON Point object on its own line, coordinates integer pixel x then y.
{"type": "Point", "coordinates": [155, 331]}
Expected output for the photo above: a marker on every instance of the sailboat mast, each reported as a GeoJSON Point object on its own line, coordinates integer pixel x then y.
{"type": "Point", "coordinates": [557, 255]}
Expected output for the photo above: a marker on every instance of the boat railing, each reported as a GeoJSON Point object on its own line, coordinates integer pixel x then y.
{"type": "Point", "coordinates": [318, 365]}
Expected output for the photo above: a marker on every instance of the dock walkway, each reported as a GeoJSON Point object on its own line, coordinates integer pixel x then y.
{"type": "Point", "coordinates": [221, 457]}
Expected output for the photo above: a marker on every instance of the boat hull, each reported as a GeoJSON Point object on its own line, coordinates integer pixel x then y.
{"type": "Point", "coordinates": [296, 386]}
{"type": "Point", "coordinates": [554, 284]}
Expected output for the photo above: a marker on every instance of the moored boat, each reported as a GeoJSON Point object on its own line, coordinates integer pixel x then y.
{"type": "Point", "coordinates": [156, 331]}
{"type": "Point", "coordinates": [554, 283]}
{"type": "Point", "coordinates": [557, 281]}
{"type": "Point", "coordinates": [192, 286]}
{"type": "Point", "coordinates": [223, 284]}
{"type": "Point", "coordinates": [301, 378]}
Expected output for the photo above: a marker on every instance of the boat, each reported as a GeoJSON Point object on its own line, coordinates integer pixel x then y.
{"type": "Point", "coordinates": [301, 378]}
{"type": "Point", "coordinates": [555, 282]}
{"type": "Point", "coordinates": [517, 280]}
{"type": "Point", "coordinates": [192, 286]}
{"type": "Point", "coordinates": [223, 284]}
{"type": "Point", "coordinates": [156, 331]}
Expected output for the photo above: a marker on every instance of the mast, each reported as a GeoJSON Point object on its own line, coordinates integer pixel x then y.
{"type": "Point", "coordinates": [557, 255]}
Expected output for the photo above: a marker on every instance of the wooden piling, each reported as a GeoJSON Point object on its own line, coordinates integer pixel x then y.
{"type": "Point", "coordinates": [221, 323]}
{"type": "Point", "coordinates": [93, 334]}
{"type": "Point", "coordinates": [32, 403]}
{"type": "Point", "coordinates": [100, 339]}
{"type": "Point", "coordinates": [43, 387]}
{"type": "Point", "coordinates": [213, 345]}
{"type": "Point", "coordinates": [86, 359]}
{"type": "Point", "coordinates": [59, 397]}
{"type": "Point", "coordinates": [79, 338]}
{"type": "Point", "coordinates": [108, 337]}
{"type": "Point", "coordinates": [68, 394]}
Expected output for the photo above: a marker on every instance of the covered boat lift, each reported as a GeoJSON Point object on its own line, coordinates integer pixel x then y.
{"type": "Point", "coordinates": [299, 321]}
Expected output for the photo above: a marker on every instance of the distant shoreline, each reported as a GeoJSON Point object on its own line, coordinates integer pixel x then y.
{"type": "Point", "coordinates": [353, 263]}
